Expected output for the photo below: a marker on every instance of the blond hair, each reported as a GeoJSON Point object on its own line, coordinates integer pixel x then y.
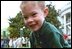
{"type": "Point", "coordinates": [41, 4]}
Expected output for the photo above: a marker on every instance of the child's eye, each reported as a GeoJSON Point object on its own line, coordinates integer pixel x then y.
{"type": "Point", "coordinates": [25, 17]}
{"type": "Point", "coordinates": [34, 14]}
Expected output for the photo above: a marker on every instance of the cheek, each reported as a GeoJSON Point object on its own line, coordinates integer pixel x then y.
{"type": "Point", "coordinates": [39, 19]}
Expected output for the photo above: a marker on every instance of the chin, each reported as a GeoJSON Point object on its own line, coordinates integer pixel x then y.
{"type": "Point", "coordinates": [36, 29]}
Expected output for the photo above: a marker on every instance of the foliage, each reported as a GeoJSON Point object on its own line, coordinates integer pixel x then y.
{"type": "Point", "coordinates": [52, 16]}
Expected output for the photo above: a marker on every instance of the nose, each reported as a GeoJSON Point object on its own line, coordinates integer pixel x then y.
{"type": "Point", "coordinates": [30, 20]}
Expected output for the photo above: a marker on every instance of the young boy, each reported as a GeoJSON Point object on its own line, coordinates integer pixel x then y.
{"type": "Point", "coordinates": [44, 34]}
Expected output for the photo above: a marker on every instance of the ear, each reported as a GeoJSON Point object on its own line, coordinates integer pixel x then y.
{"type": "Point", "coordinates": [46, 11]}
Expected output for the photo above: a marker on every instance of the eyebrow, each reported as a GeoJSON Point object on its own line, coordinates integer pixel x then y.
{"type": "Point", "coordinates": [30, 13]}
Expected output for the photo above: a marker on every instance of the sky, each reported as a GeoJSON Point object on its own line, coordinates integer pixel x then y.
{"type": "Point", "coordinates": [11, 8]}
{"type": "Point", "coordinates": [8, 8]}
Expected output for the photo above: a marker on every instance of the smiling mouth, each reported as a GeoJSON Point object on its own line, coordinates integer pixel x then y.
{"type": "Point", "coordinates": [32, 26]}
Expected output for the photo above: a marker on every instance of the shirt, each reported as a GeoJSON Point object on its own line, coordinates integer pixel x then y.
{"type": "Point", "coordinates": [47, 36]}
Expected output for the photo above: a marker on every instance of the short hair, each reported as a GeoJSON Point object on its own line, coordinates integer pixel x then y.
{"type": "Point", "coordinates": [41, 4]}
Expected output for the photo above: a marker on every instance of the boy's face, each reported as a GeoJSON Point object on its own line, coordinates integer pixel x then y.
{"type": "Point", "coordinates": [33, 17]}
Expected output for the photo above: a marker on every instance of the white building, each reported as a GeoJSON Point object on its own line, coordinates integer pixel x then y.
{"type": "Point", "coordinates": [65, 15]}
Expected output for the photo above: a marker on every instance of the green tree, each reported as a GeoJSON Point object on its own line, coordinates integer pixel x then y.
{"type": "Point", "coordinates": [15, 24]}
{"type": "Point", "coordinates": [52, 16]}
